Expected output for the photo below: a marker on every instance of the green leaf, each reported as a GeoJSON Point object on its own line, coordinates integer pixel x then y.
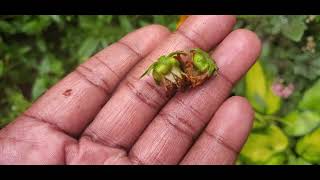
{"type": "Point", "coordinates": [6, 27]}
{"type": "Point", "coordinates": [1, 68]}
{"type": "Point", "coordinates": [258, 91]}
{"type": "Point", "coordinates": [39, 87]}
{"type": "Point", "coordinates": [56, 18]}
{"type": "Point", "coordinates": [311, 98]}
{"type": "Point", "coordinates": [36, 25]}
{"type": "Point", "coordinates": [87, 22]}
{"type": "Point", "coordinates": [277, 159]}
{"type": "Point", "coordinates": [273, 102]}
{"type": "Point", "coordinates": [301, 123]}
{"type": "Point", "coordinates": [88, 47]}
{"type": "Point", "coordinates": [125, 23]}
{"type": "Point", "coordinates": [260, 124]}
{"type": "Point", "coordinates": [293, 160]}
{"type": "Point", "coordinates": [293, 27]}
{"type": "Point", "coordinates": [17, 102]}
{"type": "Point", "coordinates": [262, 146]}
{"type": "Point", "coordinates": [256, 87]}
{"type": "Point", "coordinates": [309, 147]}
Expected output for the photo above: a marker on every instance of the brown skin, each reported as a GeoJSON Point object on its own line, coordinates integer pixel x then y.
{"type": "Point", "coordinates": [103, 114]}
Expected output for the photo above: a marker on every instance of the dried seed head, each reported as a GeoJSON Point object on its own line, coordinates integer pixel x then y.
{"type": "Point", "coordinates": [199, 67]}
{"type": "Point", "coordinates": [181, 70]}
{"type": "Point", "coordinates": [167, 72]}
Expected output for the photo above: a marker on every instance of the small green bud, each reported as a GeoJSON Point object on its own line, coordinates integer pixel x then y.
{"type": "Point", "coordinates": [203, 62]}
{"type": "Point", "coordinates": [174, 72]}
{"type": "Point", "coordinates": [166, 68]}
{"type": "Point", "coordinates": [157, 76]}
{"type": "Point", "coordinates": [162, 68]}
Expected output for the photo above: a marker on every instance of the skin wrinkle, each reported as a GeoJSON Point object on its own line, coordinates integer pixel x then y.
{"type": "Point", "coordinates": [54, 126]}
{"type": "Point", "coordinates": [19, 140]}
{"type": "Point", "coordinates": [219, 139]}
{"type": "Point", "coordinates": [129, 47]}
{"type": "Point", "coordinates": [107, 66]}
{"type": "Point", "coordinates": [140, 96]}
{"type": "Point", "coordinates": [174, 121]}
{"type": "Point", "coordinates": [106, 142]}
{"type": "Point", "coordinates": [84, 71]}
{"type": "Point", "coordinates": [226, 79]}
{"type": "Point", "coordinates": [105, 91]}
{"type": "Point", "coordinates": [191, 109]}
{"type": "Point", "coordinates": [196, 44]}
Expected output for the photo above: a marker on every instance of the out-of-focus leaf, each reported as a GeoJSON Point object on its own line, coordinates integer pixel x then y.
{"type": "Point", "coordinates": [41, 45]}
{"type": "Point", "coordinates": [88, 47]}
{"type": "Point", "coordinates": [56, 18]}
{"type": "Point", "coordinates": [309, 147]}
{"type": "Point", "coordinates": [87, 21]}
{"type": "Point", "coordinates": [50, 65]}
{"type": "Point", "coordinates": [262, 146]}
{"type": "Point", "coordinates": [277, 159]}
{"type": "Point", "coordinates": [256, 87]}
{"type": "Point", "coordinates": [125, 23]}
{"type": "Point", "coordinates": [1, 68]}
{"type": "Point", "coordinates": [311, 98]}
{"type": "Point", "coordinates": [293, 27]}
{"type": "Point", "coordinates": [293, 160]}
{"type": "Point", "coordinates": [301, 123]}
{"type": "Point", "coordinates": [258, 91]}
{"type": "Point", "coordinates": [6, 27]}
{"type": "Point", "coordinates": [36, 25]}
{"type": "Point", "coordinates": [273, 101]}
{"type": "Point", "coordinates": [17, 101]}
{"type": "Point", "coordinates": [259, 124]}
{"type": "Point", "coordinates": [40, 86]}
{"type": "Point", "coordinates": [275, 21]}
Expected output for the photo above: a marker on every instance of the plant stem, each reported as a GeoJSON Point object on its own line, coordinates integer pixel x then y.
{"type": "Point", "coordinates": [262, 117]}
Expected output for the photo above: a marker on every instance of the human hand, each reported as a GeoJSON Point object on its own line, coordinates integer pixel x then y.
{"type": "Point", "coordinates": [102, 113]}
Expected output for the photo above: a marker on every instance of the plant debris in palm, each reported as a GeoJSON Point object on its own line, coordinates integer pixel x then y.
{"type": "Point", "coordinates": [181, 70]}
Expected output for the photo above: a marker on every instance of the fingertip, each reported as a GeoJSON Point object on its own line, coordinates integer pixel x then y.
{"type": "Point", "coordinates": [242, 106]}
{"type": "Point", "coordinates": [233, 121]}
{"type": "Point", "coordinates": [248, 38]}
{"type": "Point", "coordinates": [207, 30]}
{"type": "Point", "coordinates": [146, 38]}
{"type": "Point", "coordinates": [237, 53]}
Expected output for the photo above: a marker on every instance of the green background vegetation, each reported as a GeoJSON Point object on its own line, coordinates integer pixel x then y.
{"type": "Point", "coordinates": [37, 51]}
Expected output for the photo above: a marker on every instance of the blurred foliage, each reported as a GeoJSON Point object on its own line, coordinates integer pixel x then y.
{"type": "Point", "coordinates": [37, 51]}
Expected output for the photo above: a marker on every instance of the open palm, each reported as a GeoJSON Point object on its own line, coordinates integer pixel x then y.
{"type": "Point", "coordinates": [102, 113]}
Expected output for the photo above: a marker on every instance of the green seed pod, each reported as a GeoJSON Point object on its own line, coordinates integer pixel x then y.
{"type": "Point", "coordinates": [166, 68]}
{"type": "Point", "coordinates": [203, 62]}
{"type": "Point", "coordinates": [176, 73]}
{"type": "Point", "coordinates": [162, 68]}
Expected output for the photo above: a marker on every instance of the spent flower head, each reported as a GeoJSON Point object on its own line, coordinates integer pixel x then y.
{"type": "Point", "coordinates": [200, 68]}
{"type": "Point", "coordinates": [180, 70]}
{"type": "Point", "coordinates": [167, 71]}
